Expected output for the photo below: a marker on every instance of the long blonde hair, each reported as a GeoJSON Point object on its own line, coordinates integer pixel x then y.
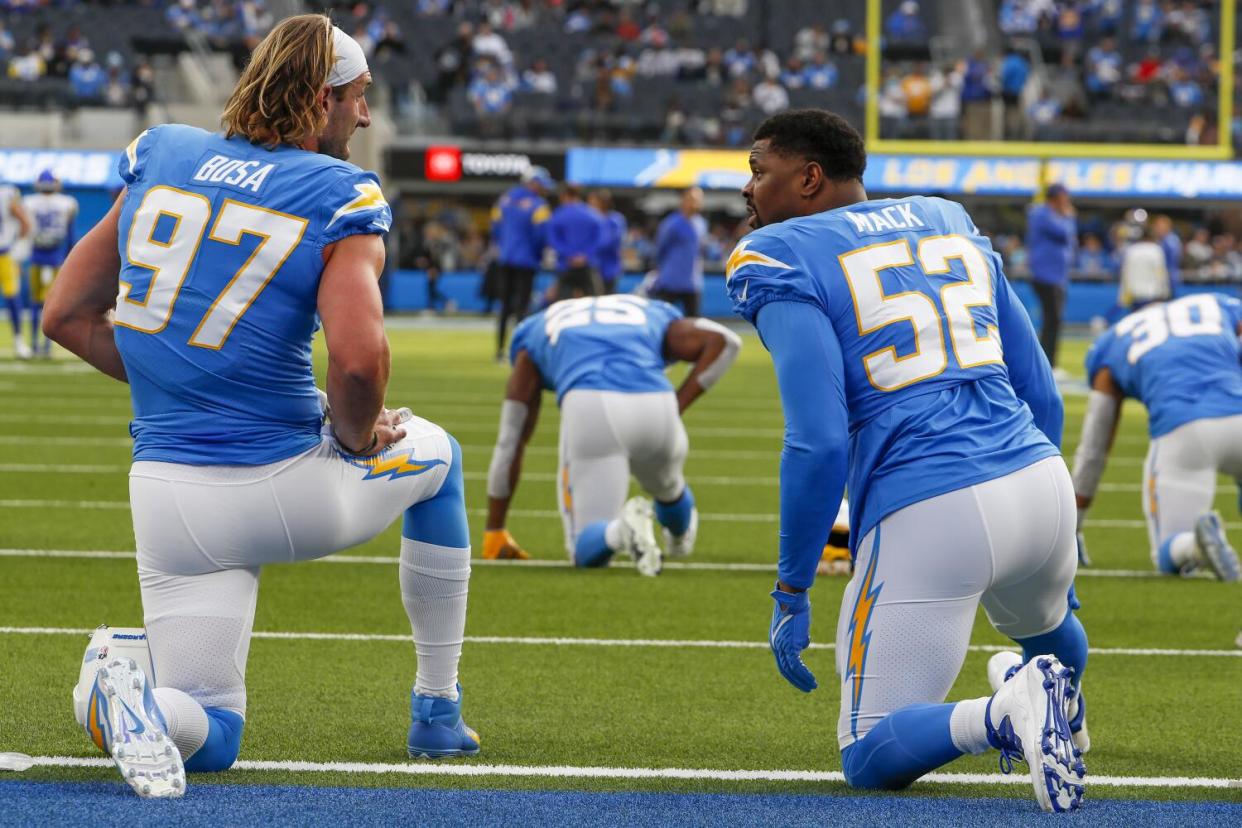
{"type": "Point", "coordinates": [277, 97]}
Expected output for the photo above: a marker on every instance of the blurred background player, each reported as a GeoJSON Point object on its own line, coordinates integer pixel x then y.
{"type": "Point", "coordinates": [1145, 274]}
{"type": "Point", "coordinates": [233, 467]}
{"type": "Point", "coordinates": [52, 214]}
{"type": "Point", "coordinates": [679, 254]}
{"type": "Point", "coordinates": [1180, 360]}
{"type": "Point", "coordinates": [604, 358]}
{"type": "Point", "coordinates": [835, 559]}
{"type": "Point", "coordinates": [1051, 239]}
{"type": "Point", "coordinates": [14, 226]}
{"type": "Point", "coordinates": [608, 256]}
{"type": "Point", "coordinates": [872, 313]}
{"type": "Point", "coordinates": [575, 233]}
{"type": "Point", "coordinates": [519, 227]}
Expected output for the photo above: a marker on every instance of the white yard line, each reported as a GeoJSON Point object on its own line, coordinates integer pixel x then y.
{"type": "Point", "coordinates": [536, 563]}
{"type": "Point", "coordinates": [656, 643]}
{"type": "Point", "coordinates": [469, 769]}
{"type": "Point", "coordinates": [723, 517]}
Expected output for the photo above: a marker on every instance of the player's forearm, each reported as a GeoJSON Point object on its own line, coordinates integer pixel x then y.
{"type": "Point", "coordinates": [91, 337]}
{"type": "Point", "coordinates": [356, 398]}
{"type": "Point", "coordinates": [812, 485]}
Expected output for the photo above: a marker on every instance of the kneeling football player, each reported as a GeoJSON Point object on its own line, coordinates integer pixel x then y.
{"type": "Point", "coordinates": [605, 357]}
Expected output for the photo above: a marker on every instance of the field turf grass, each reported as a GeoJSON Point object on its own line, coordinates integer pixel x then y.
{"type": "Point", "coordinates": [541, 701]}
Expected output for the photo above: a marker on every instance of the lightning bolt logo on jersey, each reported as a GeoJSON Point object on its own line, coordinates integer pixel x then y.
{"type": "Point", "coordinates": [917, 300]}
{"type": "Point", "coordinates": [221, 245]}
{"type": "Point", "coordinates": [1179, 358]}
{"type": "Point", "coordinates": [605, 343]}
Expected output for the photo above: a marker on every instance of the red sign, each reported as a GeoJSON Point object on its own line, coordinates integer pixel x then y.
{"type": "Point", "coordinates": [443, 163]}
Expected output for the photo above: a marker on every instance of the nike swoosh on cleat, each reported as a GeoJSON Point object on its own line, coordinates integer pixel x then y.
{"type": "Point", "coordinates": [140, 727]}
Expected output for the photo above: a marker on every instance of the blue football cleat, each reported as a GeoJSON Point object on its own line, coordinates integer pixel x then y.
{"type": "Point", "coordinates": [1027, 722]}
{"type": "Point", "coordinates": [1214, 549]}
{"type": "Point", "coordinates": [437, 730]}
{"type": "Point", "coordinates": [123, 719]}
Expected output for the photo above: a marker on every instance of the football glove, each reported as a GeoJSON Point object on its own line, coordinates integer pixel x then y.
{"type": "Point", "coordinates": [498, 544]}
{"type": "Point", "coordinates": [790, 635]}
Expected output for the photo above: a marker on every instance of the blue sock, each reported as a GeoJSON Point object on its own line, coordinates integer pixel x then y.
{"type": "Point", "coordinates": [675, 516]}
{"type": "Point", "coordinates": [441, 520]}
{"type": "Point", "coordinates": [219, 752]}
{"type": "Point", "coordinates": [15, 315]}
{"type": "Point", "coordinates": [1164, 558]}
{"type": "Point", "coordinates": [592, 547]}
{"type": "Point", "coordinates": [906, 744]}
{"type": "Point", "coordinates": [36, 310]}
{"type": "Point", "coordinates": [1067, 642]}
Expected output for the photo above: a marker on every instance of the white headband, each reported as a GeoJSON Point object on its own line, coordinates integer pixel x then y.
{"type": "Point", "coordinates": [350, 64]}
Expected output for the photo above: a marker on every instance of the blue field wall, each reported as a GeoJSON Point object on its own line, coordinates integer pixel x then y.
{"type": "Point", "coordinates": [407, 291]}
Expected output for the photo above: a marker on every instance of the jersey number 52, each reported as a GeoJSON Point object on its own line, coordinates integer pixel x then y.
{"type": "Point", "coordinates": [170, 261]}
{"type": "Point", "coordinates": [874, 309]}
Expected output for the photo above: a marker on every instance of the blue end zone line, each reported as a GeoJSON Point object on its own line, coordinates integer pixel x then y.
{"type": "Point", "coordinates": [469, 769]}
{"type": "Point", "coordinates": [681, 644]}
{"type": "Point", "coordinates": [541, 563]}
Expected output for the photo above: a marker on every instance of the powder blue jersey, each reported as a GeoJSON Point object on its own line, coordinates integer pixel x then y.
{"type": "Point", "coordinates": [222, 248]}
{"type": "Point", "coordinates": [1179, 358]}
{"type": "Point", "coordinates": [939, 358]}
{"type": "Point", "coordinates": [605, 343]}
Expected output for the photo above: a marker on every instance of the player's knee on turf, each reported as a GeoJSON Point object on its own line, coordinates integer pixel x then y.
{"type": "Point", "coordinates": [223, 743]}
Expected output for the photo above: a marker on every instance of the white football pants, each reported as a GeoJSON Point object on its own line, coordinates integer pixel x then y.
{"type": "Point", "coordinates": [907, 613]}
{"type": "Point", "coordinates": [606, 436]}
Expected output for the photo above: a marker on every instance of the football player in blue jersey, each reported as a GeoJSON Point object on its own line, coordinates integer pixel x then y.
{"type": "Point", "coordinates": [904, 359]}
{"type": "Point", "coordinates": [53, 214]}
{"type": "Point", "coordinates": [1180, 360]}
{"type": "Point", "coordinates": [202, 288]}
{"type": "Point", "coordinates": [605, 358]}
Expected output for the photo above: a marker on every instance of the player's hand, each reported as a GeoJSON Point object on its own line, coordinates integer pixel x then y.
{"type": "Point", "coordinates": [498, 544]}
{"type": "Point", "coordinates": [790, 635]}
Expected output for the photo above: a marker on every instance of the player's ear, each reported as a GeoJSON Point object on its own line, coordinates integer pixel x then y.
{"type": "Point", "coordinates": [325, 95]}
{"type": "Point", "coordinates": [812, 180]}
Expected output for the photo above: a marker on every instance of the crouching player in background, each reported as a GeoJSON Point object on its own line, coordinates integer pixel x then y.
{"type": "Point", "coordinates": [605, 357]}
{"type": "Point", "coordinates": [52, 213]}
{"type": "Point", "coordinates": [1180, 359]}
{"type": "Point", "coordinates": [236, 244]}
{"type": "Point", "coordinates": [903, 357]}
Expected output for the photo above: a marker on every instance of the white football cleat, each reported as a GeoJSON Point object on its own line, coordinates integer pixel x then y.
{"type": "Point", "coordinates": [106, 644]}
{"type": "Point", "coordinates": [1027, 721]}
{"type": "Point", "coordinates": [21, 350]}
{"type": "Point", "coordinates": [680, 546]}
{"type": "Point", "coordinates": [122, 714]}
{"type": "Point", "coordinates": [1213, 549]}
{"type": "Point", "coordinates": [639, 538]}
{"type": "Point", "coordinates": [1003, 666]}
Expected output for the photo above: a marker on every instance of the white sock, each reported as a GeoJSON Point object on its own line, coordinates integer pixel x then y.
{"type": "Point", "coordinates": [614, 535]}
{"type": "Point", "coordinates": [968, 725]}
{"type": "Point", "coordinates": [186, 719]}
{"type": "Point", "coordinates": [1183, 549]}
{"type": "Point", "coordinates": [434, 584]}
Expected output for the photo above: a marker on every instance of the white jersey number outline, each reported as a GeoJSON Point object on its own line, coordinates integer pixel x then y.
{"type": "Point", "coordinates": [606, 310]}
{"type": "Point", "coordinates": [171, 260]}
{"type": "Point", "coordinates": [1151, 327]}
{"type": "Point", "coordinates": [874, 309]}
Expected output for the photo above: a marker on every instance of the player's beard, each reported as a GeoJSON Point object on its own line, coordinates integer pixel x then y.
{"type": "Point", "coordinates": [334, 147]}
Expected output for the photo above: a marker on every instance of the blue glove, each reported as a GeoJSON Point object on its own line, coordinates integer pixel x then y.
{"type": "Point", "coordinates": [790, 635]}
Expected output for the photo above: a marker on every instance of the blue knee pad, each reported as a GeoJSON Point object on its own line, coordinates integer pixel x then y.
{"type": "Point", "coordinates": [591, 549]}
{"type": "Point", "coordinates": [1068, 643]}
{"type": "Point", "coordinates": [441, 520]}
{"type": "Point", "coordinates": [1164, 558]}
{"type": "Point", "coordinates": [675, 516]}
{"type": "Point", "coordinates": [905, 745]}
{"type": "Point", "coordinates": [224, 734]}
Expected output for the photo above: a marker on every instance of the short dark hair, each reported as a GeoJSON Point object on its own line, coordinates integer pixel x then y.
{"type": "Point", "coordinates": [820, 136]}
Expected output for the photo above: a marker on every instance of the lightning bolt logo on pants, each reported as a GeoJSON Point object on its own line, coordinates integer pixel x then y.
{"type": "Point", "coordinates": [859, 635]}
{"type": "Point", "coordinates": [399, 464]}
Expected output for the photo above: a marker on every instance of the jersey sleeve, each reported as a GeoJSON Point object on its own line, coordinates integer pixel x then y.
{"type": "Point", "coordinates": [133, 162]}
{"type": "Point", "coordinates": [355, 206]}
{"type": "Point", "coordinates": [1231, 308]}
{"type": "Point", "coordinates": [1097, 355]}
{"type": "Point", "coordinates": [763, 269]}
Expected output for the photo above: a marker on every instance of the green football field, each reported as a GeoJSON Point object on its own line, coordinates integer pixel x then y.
{"type": "Point", "coordinates": [589, 680]}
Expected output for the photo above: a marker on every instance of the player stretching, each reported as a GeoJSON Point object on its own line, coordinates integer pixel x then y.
{"type": "Point", "coordinates": [604, 357]}
{"type": "Point", "coordinates": [53, 213]}
{"type": "Point", "coordinates": [896, 337]}
{"type": "Point", "coordinates": [1180, 359]}
{"type": "Point", "coordinates": [230, 245]}
{"type": "Point", "coordinates": [14, 225]}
